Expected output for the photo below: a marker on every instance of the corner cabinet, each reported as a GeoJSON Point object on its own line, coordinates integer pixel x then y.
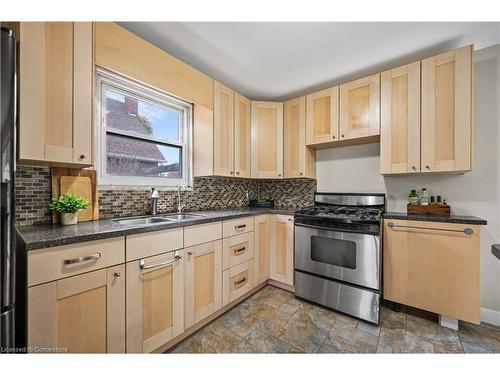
{"type": "Point", "coordinates": [56, 90]}
{"type": "Point", "coordinates": [298, 159]}
{"type": "Point", "coordinates": [242, 134]}
{"type": "Point", "coordinates": [433, 266]}
{"type": "Point", "coordinates": [400, 120]}
{"type": "Point", "coordinates": [322, 121]}
{"type": "Point", "coordinates": [360, 108]}
{"type": "Point", "coordinates": [267, 139]}
{"type": "Point", "coordinates": [281, 261]}
{"type": "Point", "coordinates": [447, 92]}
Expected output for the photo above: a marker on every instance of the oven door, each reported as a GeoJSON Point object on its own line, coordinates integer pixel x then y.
{"type": "Point", "coordinates": [350, 257]}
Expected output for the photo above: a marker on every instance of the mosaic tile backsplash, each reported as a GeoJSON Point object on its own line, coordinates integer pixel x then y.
{"type": "Point", "coordinates": [33, 194]}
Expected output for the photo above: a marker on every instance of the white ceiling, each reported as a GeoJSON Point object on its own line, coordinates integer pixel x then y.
{"type": "Point", "coordinates": [280, 60]}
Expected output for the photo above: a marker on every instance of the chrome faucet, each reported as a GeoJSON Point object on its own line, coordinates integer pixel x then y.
{"type": "Point", "coordinates": [180, 206]}
{"type": "Point", "coordinates": [153, 210]}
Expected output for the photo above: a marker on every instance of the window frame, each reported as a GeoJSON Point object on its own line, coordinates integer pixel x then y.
{"type": "Point", "coordinates": [126, 86]}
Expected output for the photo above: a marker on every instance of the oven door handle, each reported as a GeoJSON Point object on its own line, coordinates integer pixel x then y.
{"type": "Point", "coordinates": [340, 230]}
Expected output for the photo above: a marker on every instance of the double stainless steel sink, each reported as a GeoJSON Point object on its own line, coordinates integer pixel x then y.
{"type": "Point", "coordinates": [144, 220]}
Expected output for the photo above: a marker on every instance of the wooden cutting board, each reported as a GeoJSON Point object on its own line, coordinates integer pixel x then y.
{"type": "Point", "coordinates": [81, 186]}
{"type": "Point", "coordinates": [59, 172]}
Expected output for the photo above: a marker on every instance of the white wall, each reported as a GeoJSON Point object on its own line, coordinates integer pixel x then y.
{"type": "Point", "coordinates": [356, 169]}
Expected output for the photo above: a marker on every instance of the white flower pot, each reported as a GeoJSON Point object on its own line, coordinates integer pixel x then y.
{"type": "Point", "coordinates": [69, 218]}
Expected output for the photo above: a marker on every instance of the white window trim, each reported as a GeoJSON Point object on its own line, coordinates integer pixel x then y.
{"type": "Point", "coordinates": [124, 85]}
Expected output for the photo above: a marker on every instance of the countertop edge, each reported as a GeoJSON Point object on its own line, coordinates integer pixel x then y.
{"type": "Point", "coordinates": [68, 239]}
{"type": "Point", "coordinates": [453, 219]}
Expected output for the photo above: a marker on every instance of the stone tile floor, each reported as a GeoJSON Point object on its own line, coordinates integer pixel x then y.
{"type": "Point", "coordinates": [274, 321]}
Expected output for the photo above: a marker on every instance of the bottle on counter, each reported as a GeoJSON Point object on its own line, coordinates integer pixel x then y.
{"type": "Point", "coordinates": [424, 199]}
{"type": "Point", "coordinates": [413, 198]}
{"type": "Point", "coordinates": [439, 202]}
{"type": "Point", "coordinates": [432, 200]}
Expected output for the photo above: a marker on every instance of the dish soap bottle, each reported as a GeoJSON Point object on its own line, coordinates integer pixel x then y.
{"type": "Point", "coordinates": [424, 199]}
{"type": "Point", "coordinates": [413, 198]}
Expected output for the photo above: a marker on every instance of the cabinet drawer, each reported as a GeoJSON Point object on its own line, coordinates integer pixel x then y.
{"type": "Point", "coordinates": [63, 261]}
{"type": "Point", "coordinates": [148, 244]}
{"type": "Point", "coordinates": [238, 226]}
{"type": "Point", "coordinates": [237, 249]}
{"type": "Point", "coordinates": [202, 233]}
{"type": "Point", "coordinates": [237, 280]}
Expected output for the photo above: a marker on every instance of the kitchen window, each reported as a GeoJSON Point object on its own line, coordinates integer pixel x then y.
{"type": "Point", "coordinates": [144, 135]}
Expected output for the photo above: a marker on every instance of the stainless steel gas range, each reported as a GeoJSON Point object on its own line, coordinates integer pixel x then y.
{"type": "Point", "coordinates": [338, 253]}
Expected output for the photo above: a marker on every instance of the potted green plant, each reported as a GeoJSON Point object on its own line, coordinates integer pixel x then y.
{"type": "Point", "coordinates": [68, 205]}
{"type": "Point", "coordinates": [263, 200]}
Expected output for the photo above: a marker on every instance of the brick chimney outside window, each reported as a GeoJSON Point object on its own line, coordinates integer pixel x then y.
{"type": "Point", "coordinates": [132, 106]}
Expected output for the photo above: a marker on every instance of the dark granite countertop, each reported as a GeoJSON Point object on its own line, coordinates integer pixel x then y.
{"type": "Point", "coordinates": [455, 219]}
{"type": "Point", "coordinates": [48, 235]}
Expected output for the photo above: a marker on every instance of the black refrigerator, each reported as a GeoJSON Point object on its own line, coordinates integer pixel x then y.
{"type": "Point", "coordinates": [7, 174]}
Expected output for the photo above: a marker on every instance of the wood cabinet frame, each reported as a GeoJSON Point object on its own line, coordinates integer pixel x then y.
{"type": "Point", "coordinates": [242, 136]}
{"type": "Point", "coordinates": [262, 245]}
{"type": "Point", "coordinates": [223, 130]}
{"type": "Point", "coordinates": [313, 117]}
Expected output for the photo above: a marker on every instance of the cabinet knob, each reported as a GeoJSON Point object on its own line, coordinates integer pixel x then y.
{"type": "Point", "coordinates": [117, 274]}
{"type": "Point", "coordinates": [414, 168]}
{"type": "Point", "coordinates": [82, 156]}
{"type": "Point", "coordinates": [333, 137]}
{"type": "Point", "coordinates": [237, 172]}
{"type": "Point", "coordinates": [301, 173]}
{"type": "Point", "coordinates": [427, 167]}
{"type": "Point", "coordinates": [232, 172]}
{"type": "Point", "coordinates": [289, 219]}
{"type": "Point", "coordinates": [190, 253]}
{"type": "Point", "coordinates": [343, 135]}
{"type": "Point", "coordinates": [279, 174]}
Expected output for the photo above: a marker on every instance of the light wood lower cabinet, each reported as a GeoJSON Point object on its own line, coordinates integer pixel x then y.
{"type": "Point", "coordinates": [281, 262]}
{"type": "Point", "coordinates": [262, 245]}
{"type": "Point", "coordinates": [155, 301]}
{"type": "Point", "coordinates": [237, 280]}
{"type": "Point", "coordinates": [79, 314]}
{"type": "Point", "coordinates": [203, 281]}
{"type": "Point", "coordinates": [433, 266]}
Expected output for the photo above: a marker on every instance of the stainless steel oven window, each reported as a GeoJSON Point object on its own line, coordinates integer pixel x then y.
{"type": "Point", "coordinates": [337, 252]}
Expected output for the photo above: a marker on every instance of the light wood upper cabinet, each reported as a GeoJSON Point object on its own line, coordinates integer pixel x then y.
{"type": "Point", "coordinates": [322, 121]}
{"type": "Point", "coordinates": [298, 159]}
{"type": "Point", "coordinates": [55, 109]}
{"type": "Point", "coordinates": [242, 134]}
{"type": "Point", "coordinates": [433, 266]}
{"type": "Point", "coordinates": [262, 243]}
{"type": "Point", "coordinates": [267, 139]}
{"type": "Point", "coordinates": [400, 120]}
{"type": "Point", "coordinates": [281, 264]}
{"type": "Point", "coordinates": [447, 111]}
{"type": "Point", "coordinates": [155, 301]}
{"type": "Point", "coordinates": [223, 130]}
{"type": "Point", "coordinates": [83, 313]}
{"type": "Point", "coordinates": [360, 108]}
{"type": "Point", "coordinates": [203, 281]}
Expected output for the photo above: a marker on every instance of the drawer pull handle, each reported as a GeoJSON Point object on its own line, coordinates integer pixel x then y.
{"type": "Point", "coordinates": [239, 250]}
{"type": "Point", "coordinates": [467, 231]}
{"type": "Point", "coordinates": [239, 283]}
{"type": "Point", "coordinates": [241, 226]}
{"type": "Point", "coordinates": [142, 266]}
{"type": "Point", "coordinates": [82, 259]}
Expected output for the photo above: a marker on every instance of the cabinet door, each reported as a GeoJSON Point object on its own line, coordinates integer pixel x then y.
{"type": "Point", "coordinates": [203, 281]}
{"type": "Point", "coordinates": [237, 281]}
{"type": "Point", "coordinates": [155, 301]}
{"type": "Point", "coordinates": [433, 266]}
{"type": "Point", "coordinates": [298, 160]}
{"type": "Point", "coordinates": [447, 111]}
{"type": "Point", "coordinates": [223, 130]}
{"type": "Point", "coordinates": [79, 314]}
{"type": "Point", "coordinates": [262, 243]}
{"type": "Point", "coordinates": [322, 121]}
{"type": "Point", "coordinates": [241, 136]}
{"type": "Point", "coordinates": [360, 108]}
{"type": "Point", "coordinates": [55, 62]}
{"type": "Point", "coordinates": [281, 265]}
{"type": "Point", "coordinates": [267, 140]}
{"type": "Point", "coordinates": [400, 120]}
